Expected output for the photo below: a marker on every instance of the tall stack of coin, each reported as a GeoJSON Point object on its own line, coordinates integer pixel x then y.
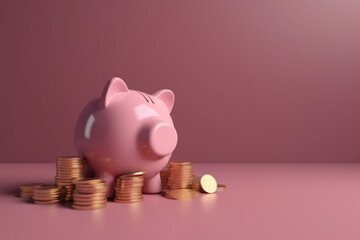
{"type": "Point", "coordinates": [68, 169]}
{"type": "Point", "coordinates": [48, 194]}
{"type": "Point", "coordinates": [26, 190]}
{"type": "Point", "coordinates": [89, 193]}
{"type": "Point", "coordinates": [164, 175]}
{"type": "Point", "coordinates": [128, 188]}
{"type": "Point", "coordinates": [180, 175]}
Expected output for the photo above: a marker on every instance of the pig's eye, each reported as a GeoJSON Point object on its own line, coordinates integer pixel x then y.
{"type": "Point", "coordinates": [144, 96]}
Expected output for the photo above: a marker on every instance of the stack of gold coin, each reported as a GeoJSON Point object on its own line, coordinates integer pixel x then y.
{"type": "Point", "coordinates": [181, 194]}
{"type": "Point", "coordinates": [128, 188]}
{"type": "Point", "coordinates": [68, 169]}
{"type": "Point", "coordinates": [180, 175]}
{"type": "Point", "coordinates": [196, 184]}
{"type": "Point", "coordinates": [89, 193]}
{"type": "Point", "coordinates": [26, 190]}
{"type": "Point", "coordinates": [221, 187]}
{"type": "Point", "coordinates": [48, 194]}
{"type": "Point", "coordinates": [164, 175]}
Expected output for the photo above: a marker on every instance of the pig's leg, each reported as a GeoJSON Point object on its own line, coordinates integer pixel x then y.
{"type": "Point", "coordinates": [88, 171]}
{"type": "Point", "coordinates": [152, 184]}
{"type": "Point", "coordinates": [109, 179]}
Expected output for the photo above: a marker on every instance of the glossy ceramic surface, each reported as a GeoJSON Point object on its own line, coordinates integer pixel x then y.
{"type": "Point", "coordinates": [125, 131]}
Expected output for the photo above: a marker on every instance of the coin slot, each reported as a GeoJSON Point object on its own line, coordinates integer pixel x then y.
{"type": "Point", "coordinates": [143, 96]}
{"type": "Point", "coordinates": [151, 99]}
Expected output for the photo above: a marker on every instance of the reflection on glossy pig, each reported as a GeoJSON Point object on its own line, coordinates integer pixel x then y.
{"type": "Point", "coordinates": [125, 131]}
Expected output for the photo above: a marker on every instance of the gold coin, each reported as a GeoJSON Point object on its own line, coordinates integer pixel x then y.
{"type": "Point", "coordinates": [128, 188]}
{"type": "Point", "coordinates": [48, 193]}
{"type": "Point", "coordinates": [58, 172]}
{"type": "Point", "coordinates": [85, 195]}
{"type": "Point", "coordinates": [70, 168]}
{"type": "Point", "coordinates": [88, 181]}
{"type": "Point", "coordinates": [91, 191]}
{"type": "Point", "coordinates": [208, 183]}
{"type": "Point", "coordinates": [92, 185]}
{"type": "Point", "coordinates": [88, 207]}
{"type": "Point", "coordinates": [69, 173]}
{"type": "Point", "coordinates": [89, 199]}
{"type": "Point", "coordinates": [221, 187]}
{"type": "Point", "coordinates": [77, 194]}
{"type": "Point", "coordinates": [46, 202]}
{"type": "Point", "coordinates": [66, 180]}
{"type": "Point", "coordinates": [135, 174]}
{"type": "Point", "coordinates": [139, 190]}
{"type": "Point", "coordinates": [127, 198]}
{"type": "Point", "coordinates": [70, 158]}
{"type": "Point", "coordinates": [99, 189]}
{"type": "Point", "coordinates": [70, 176]}
{"type": "Point", "coordinates": [139, 186]}
{"type": "Point", "coordinates": [45, 198]}
{"type": "Point", "coordinates": [30, 186]}
{"type": "Point", "coordinates": [179, 163]}
{"type": "Point", "coordinates": [128, 193]}
{"type": "Point", "coordinates": [128, 185]}
{"type": "Point", "coordinates": [129, 181]}
{"type": "Point", "coordinates": [89, 196]}
{"type": "Point", "coordinates": [89, 203]}
{"type": "Point", "coordinates": [181, 194]}
{"type": "Point", "coordinates": [46, 189]}
{"type": "Point", "coordinates": [69, 163]}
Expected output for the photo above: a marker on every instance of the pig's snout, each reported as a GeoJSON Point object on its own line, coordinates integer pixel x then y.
{"type": "Point", "coordinates": [159, 140]}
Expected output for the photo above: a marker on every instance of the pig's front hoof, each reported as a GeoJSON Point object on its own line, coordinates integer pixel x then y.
{"type": "Point", "coordinates": [110, 182]}
{"type": "Point", "coordinates": [152, 185]}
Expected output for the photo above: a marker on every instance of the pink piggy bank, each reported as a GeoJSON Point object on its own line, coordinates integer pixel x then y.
{"type": "Point", "coordinates": [125, 131]}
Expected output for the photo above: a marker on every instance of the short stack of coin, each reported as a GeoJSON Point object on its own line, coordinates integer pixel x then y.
{"type": "Point", "coordinates": [180, 175]}
{"type": "Point", "coordinates": [128, 188]}
{"type": "Point", "coordinates": [68, 169]}
{"type": "Point", "coordinates": [164, 175]}
{"type": "Point", "coordinates": [89, 193]}
{"type": "Point", "coordinates": [48, 194]}
{"type": "Point", "coordinates": [27, 189]}
{"type": "Point", "coordinates": [196, 184]}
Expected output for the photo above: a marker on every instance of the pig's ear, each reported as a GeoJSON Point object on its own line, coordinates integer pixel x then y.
{"type": "Point", "coordinates": [167, 97]}
{"type": "Point", "coordinates": [112, 88]}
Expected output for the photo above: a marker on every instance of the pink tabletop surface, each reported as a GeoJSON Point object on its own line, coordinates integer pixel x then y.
{"type": "Point", "coordinates": [262, 201]}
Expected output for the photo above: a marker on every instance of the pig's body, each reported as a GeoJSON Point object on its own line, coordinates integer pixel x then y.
{"type": "Point", "coordinates": [125, 131]}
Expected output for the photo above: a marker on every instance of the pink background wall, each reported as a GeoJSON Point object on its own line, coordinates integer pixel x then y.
{"type": "Point", "coordinates": [255, 81]}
